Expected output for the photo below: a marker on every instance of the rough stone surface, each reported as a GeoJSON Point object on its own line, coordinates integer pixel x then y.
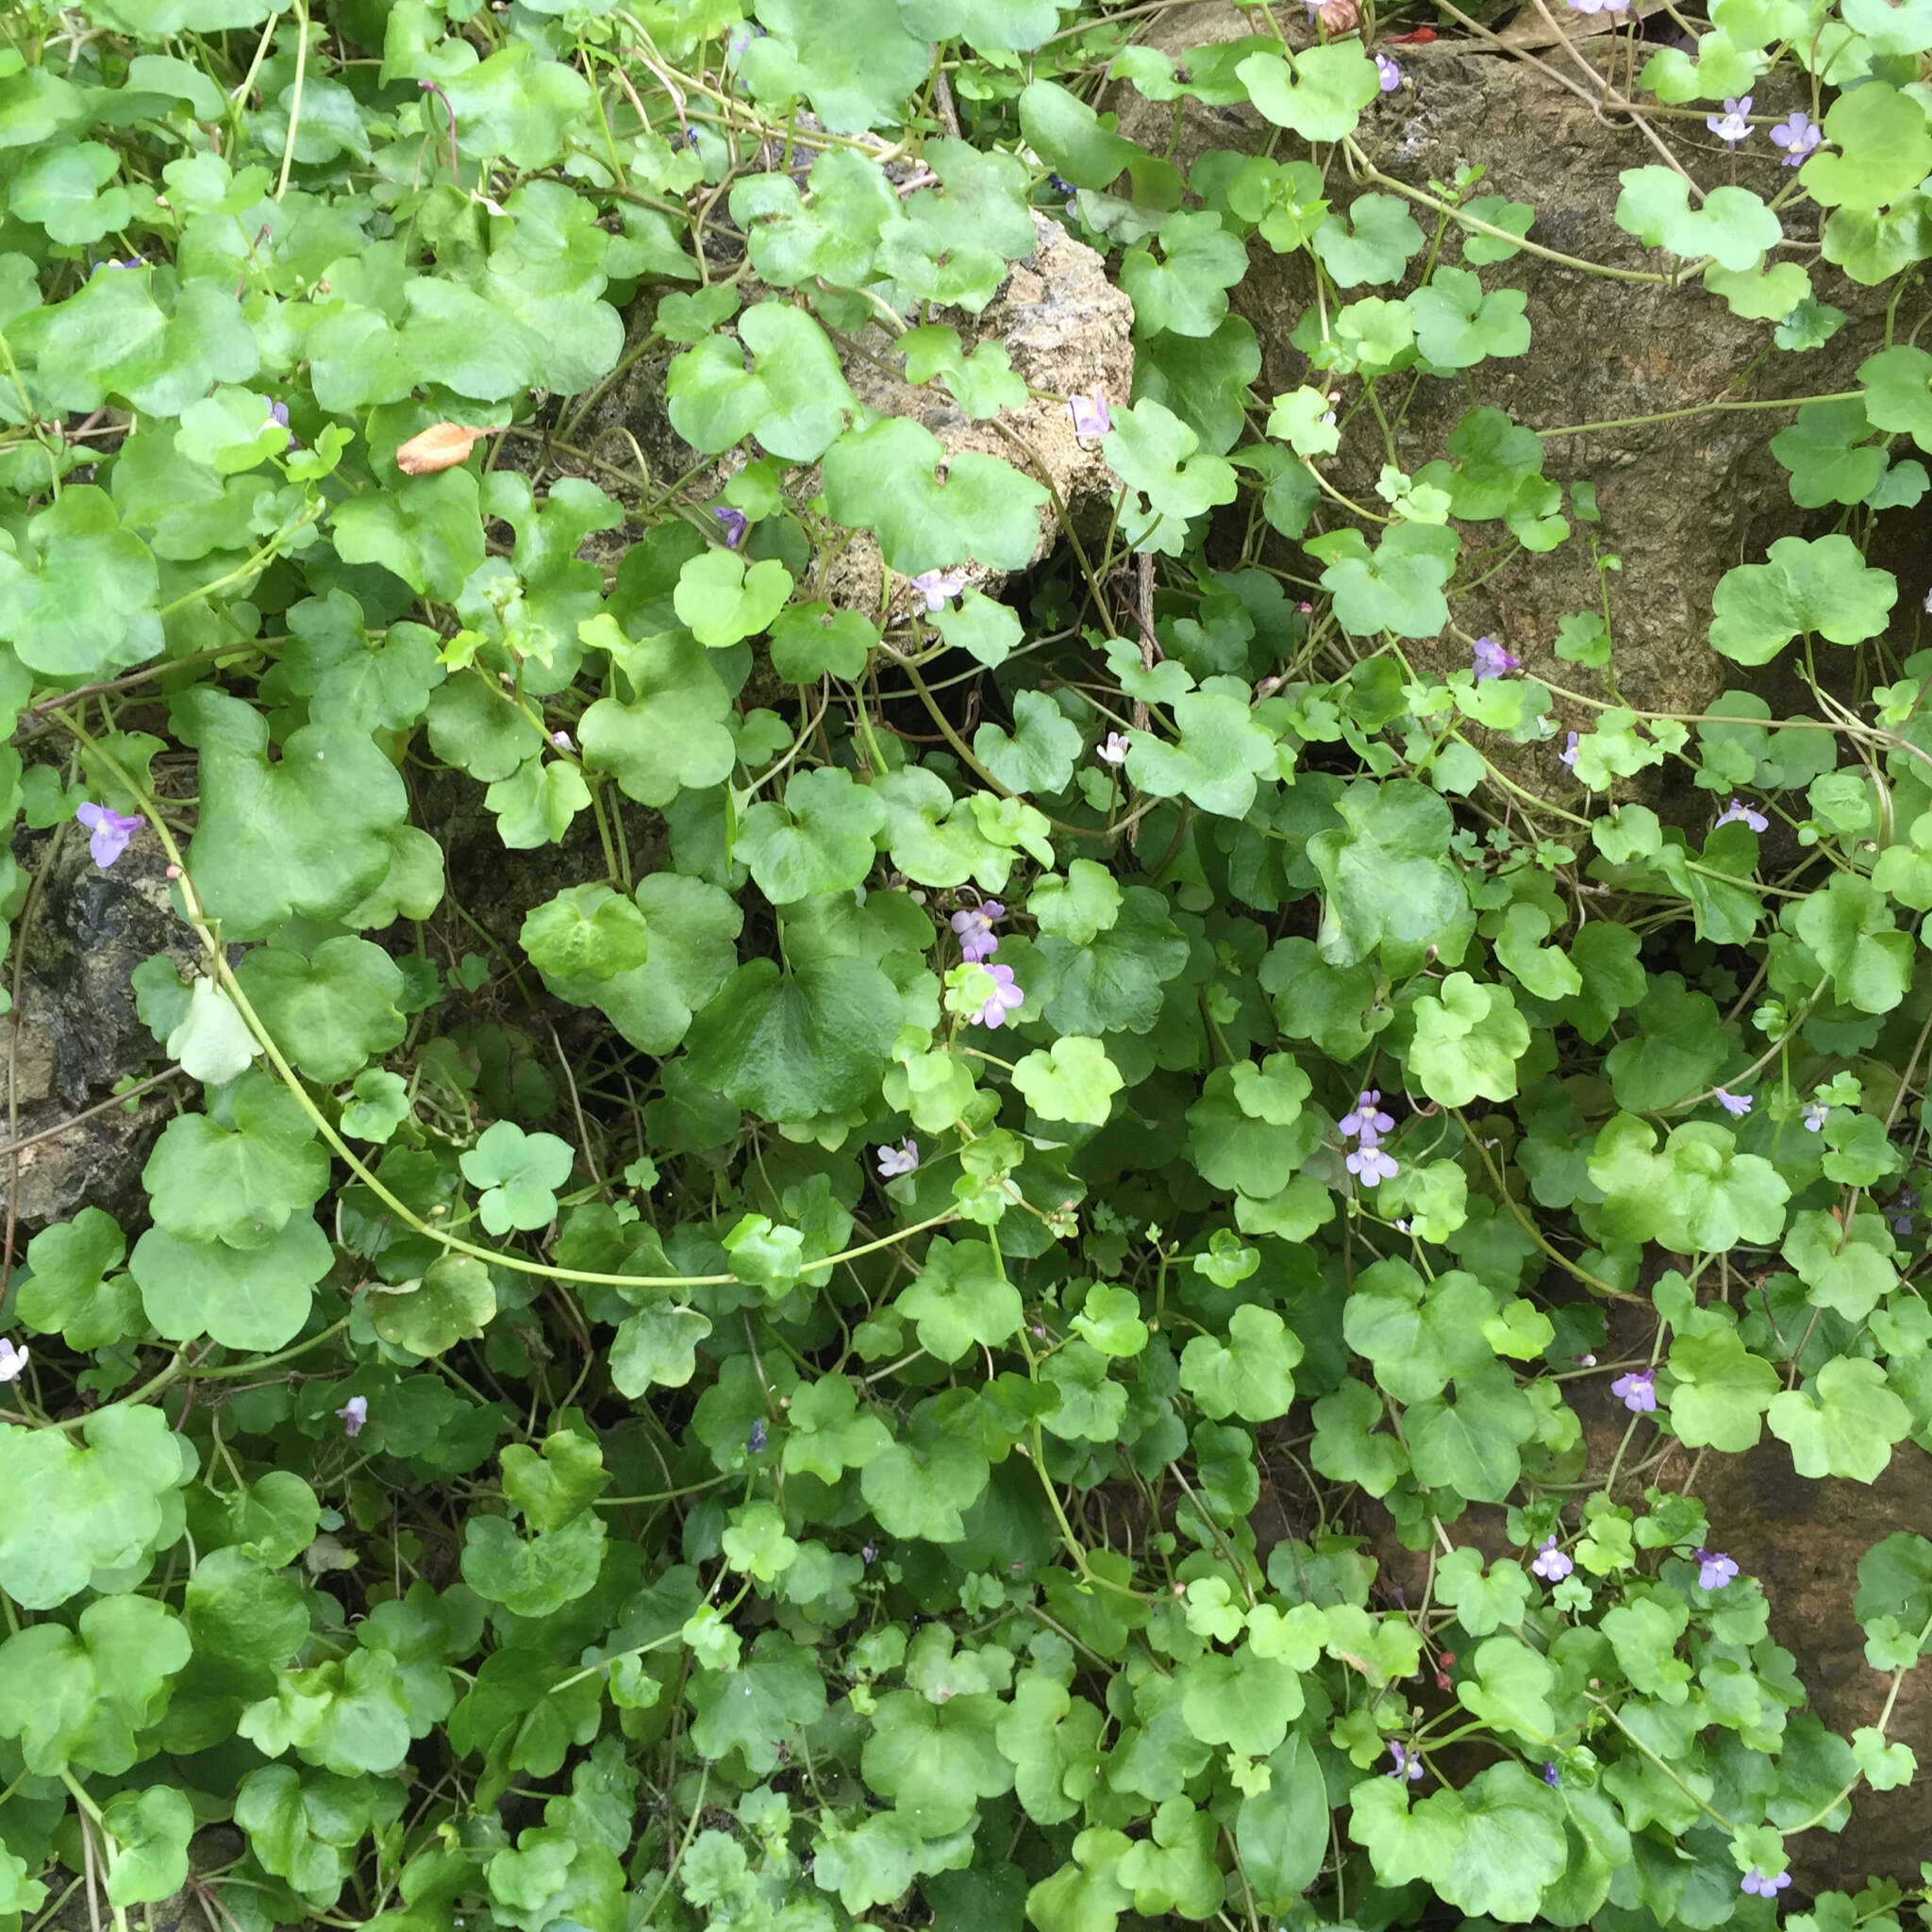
{"type": "Point", "coordinates": [76, 1032]}
{"type": "Point", "coordinates": [1681, 501]}
{"type": "Point", "coordinates": [1066, 329]}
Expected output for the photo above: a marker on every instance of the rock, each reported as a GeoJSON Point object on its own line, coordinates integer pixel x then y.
{"type": "Point", "coordinates": [1066, 330]}
{"type": "Point", "coordinates": [76, 1032]}
{"type": "Point", "coordinates": [1681, 501]}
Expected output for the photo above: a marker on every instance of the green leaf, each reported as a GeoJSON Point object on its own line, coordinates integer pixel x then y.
{"type": "Point", "coordinates": [554, 1484]}
{"type": "Point", "coordinates": [1697, 1196]}
{"type": "Point", "coordinates": [1221, 754]}
{"type": "Point", "coordinates": [239, 1180]}
{"type": "Point", "coordinates": [531, 1576]}
{"type": "Point", "coordinates": [1825, 450]}
{"type": "Point", "coordinates": [381, 1105]}
{"type": "Point", "coordinates": [1733, 225]}
{"type": "Point", "coordinates": [1073, 1080]}
{"type": "Point", "coordinates": [819, 840]}
{"type": "Point", "coordinates": [211, 1040]}
{"type": "Point", "coordinates": [1843, 1422]}
{"type": "Point", "coordinates": [1722, 1392]}
{"type": "Point", "coordinates": [992, 26]}
{"type": "Point", "coordinates": [657, 1348]}
{"type": "Point", "coordinates": [1470, 1444]}
{"type": "Point", "coordinates": [1898, 391]}
{"type": "Point", "coordinates": [960, 1300]}
{"type": "Point", "coordinates": [78, 1697]}
{"type": "Point", "coordinates": [1823, 586]}
{"type": "Point", "coordinates": [518, 1174]}
{"type": "Point", "coordinates": [884, 478]}
{"type": "Point", "coordinates": [1318, 94]}
{"type": "Point", "coordinates": [1251, 1374]}
{"type": "Point", "coordinates": [586, 932]}
{"type": "Point", "coordinates": [427, 529]}
{"type": "Point", "coordinates": [1849, 925]}
{"type": "Point", "coordinates": [1282, 1833]}
{"type": "Point", "coordinates": [1152, 451]}
{"type": "Point", "coordinates": [1039, 756]}
{"type": "Point", "coordinates": [1467, 1042]}
{"type": "Point", "coordinates": [453, 1302]}
{"type": "Point", "coordinates": [79, 540]}
{"type": "Point", "coordinates": [671, 734]}
{"type": "Point", "coordinates": [1457, 326]}
{"type": "Point", "coordinates": [918, 1487]}
{"type": "Point", "coordinates": [1391, 891]}
{"type": "Point", "coordinates": [1419, 1337]}
{"type": "Point", "coordinates": [1882, 147]}
{"type": "Point", "coordinates": [935, 1762]}
{"type": "Point", "coordinates": [242, 1297]}
{"type": "Point", "coordinates": [1846, 1269]}
{"type": "Point", "coordinates": [693, 926]}
{"type": "Point", "coordinates": [828, 1434]}
{"type": "Point", "coordinates": [1397, 587]}
{"type": "Point", "coordinates": [152, 1828]}
{"type": "Point", "coordinates": [332, 1013]}
{"type": "Point", "coordinates": [1185, 294]}
{"type": "Point", "coordinates": [795, 396]}
{"type": "Point", "coordinates": [853, 59]}
{"type": "Point", "coordinates": [1373, 245]}
{"type": "Point", "coordinates": [983, 383]}
{"type": "Point", "coordinates": [722, 600]}
{"type": "Point", "coordinates": [790, 1047]}
{"type": "Point", "coordinates": [72, 1288]}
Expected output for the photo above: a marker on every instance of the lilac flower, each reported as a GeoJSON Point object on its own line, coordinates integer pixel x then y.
{"type": "Point", "coordinates": [1006, 997]}
{"type": "Point", "coordinates": [1928, 603]}
{"type": "Point", "coordinates": [1371, 1164]}
{"type": "Point", "coordinates": [354, 1412]}
{"type": "Point", "coordinates": [1492, 661]}
{"type": "Point", "coordinates": [1599, 6]}
{"type": "Point", "coordinates": [279, 413]}
{"type": "Point", "coordinates": [900, 1160]}
{"type": "Point", "coordinates": [1551, 1564]}
{"type": "Point", "coordinates": [735, 523]}
{"type": "Point", "coordinates": [1408, 1765]}
{"type": "Point", "coordinates": [111, 831]}
{"type": "Point", "coordinates": [1738, 1105]}
{"type": "Point", "coordinates": [1815, 1112]}
{"type": "Point", "coordinates": [1636, 1390]}
{"type": "Point", "coordinates": [1732, 126]}
{"type": "Point", "coordinates": [1568, 755]}
{"type": "Point", "coordinates": [974, 925]}
{"type": "Point", "coordinates": [1092, 417]}
{"type": "Point", "coordinates": [1368, 1119]}
{"type": "Point", "coordinates": [935, 587]}
{"type": "Point", "coordinates": [1756, 1881]}
{"type": "Point", "coordinates": [1739, 814]}
{"type": "Point", "coordinates": [870, 1552]}
{"type": "Point", "coordinates": [561, 740]}
{"type": "Point", "coordinates": [132, 262]}
{"type": "Point", "coordinates": [1713, 1572]}
{"type": "Point", "coordinates": [757, 1438]}
{"type": "Point", "coordinates": [1550, 1777]}
{"type": "Point", "coordinates": [1059, 184]}
{"type": "Point", "coordinates": [1797, 136]}
{"type": "Point", "coordinates": [1112, 750]}
{"type": "Point", "coordinates": [12, 1360]}
{"type": "Point", "coordinates": [1388, 73]}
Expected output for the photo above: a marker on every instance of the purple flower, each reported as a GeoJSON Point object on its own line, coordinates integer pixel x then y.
{"type": "Point", "coordinates": [1599, 6]}
{"type": "Point", "coordinates": [1006, 997]}
{"type": "Point", "coordinates": [935, 587]}
{"type": "Point", "coordinates": [1371, 1164]}
{"type": "Point", "coordinates": [1059, 184]}
{"type": "Point", "coordinates": [974, 925]}
{"type": "Point", "coordinates": [735, 523]}
{"type": "Point", "coordinates": [1735, 1104]}
{"type": "Point", "coordinates": [757, 1438]}
{"type": "Point", "coordinates": [1713, 1572]}
{"type": "Point", "coordinates": [870, 1552]}
{"type": "Point", "coordinates": [1092, 417]}
{"type": "Point", "coordinates": [1756, 1881]}
{"type": "Point", "coordinates": [1636, 1390]}
{"type": "Point", "coordinates": [1739, 814]}
{"type": "Point", "coordinates": [1492, 661]}
{"type": "Point", "coordinates": [900, 1160]}
{"type": "Point", "coordinates": [1797, 136]}
{"type": "Point", "coordinates": [132, 262]}
{"type": "Point", "coordinates": [1551, 1564]}
{"type": "Point", "coordinates": [111, 831]}
{"type": "Point", "coordinates": [1900, 1210]}
{"type": "Point", "coordinates": [12, 1360]}
{"type": "Point", "coordinates": [1815, 1112]}
{"type": "Point", "coordinates": [561, 740]}
{"type": "Point", "coordinates": [1568, 755]}
{"type": "Point", "coordinates": [1550, 1777]}
{"type": "Point", "coordinates": [1388, 73]}
{"type": "Point", "coordinates": [1112, 750]}
{"type": "Point", "coordinates": [1732, 126]}
{"type": "Point", "coordinates": [1367, 1120]}
{"type": "Point", "coordinates": [354, 1412]}
{"type": "Point", "coordinates": [1408, 1765]}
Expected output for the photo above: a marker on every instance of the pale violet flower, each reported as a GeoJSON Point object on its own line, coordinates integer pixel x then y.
{"type": "Point", "coordinates": [1599, 6]}
{"type": "Point", "coordinates": [735, 523]}
{"type": "Point", "coordinates": [1568, 755]}
{"type": "Point", "coordinates": [935, 587]}
{"type": "Point", "coordinates": [12, 1360]}
{"type": "Point", "coordinates": [1492, 660]}
{"type": "Point", "coordinates": [1408, 1765]}
{"type": "Point", "coordinates": [1901, 1210]}
{"type": "Point", "coordinates": [1006, 997]}
{"type": "Point", "coordinates": [1371, 1164]}
{"type": "Point", "coordinates": [111, 831]}
{"type": "Point", "coordinates": [1797, 136]}
{"type": "Point", "coordinates": [1113, 749]}
{"type": "Point", "coordinates": [1815, 1112]}
{"type": "Point", "coordinates": [1739, 814]}
{"type": "Point", "coordinates": [1733, 124]}
{"type": "Point", "coordinates": [1388, 73]}
{"type": "Point", "coordinates": [1735, 1104]}
{"type": "Point", "coordinates": [1551, 1564]}
{"type": "Point", "coordinates": [561, 740]}
{"type": "Point", "coordinates": [1637, 1392]}
{"type": "Point", "coordinates": [1714, 1570]}
{"type": "Point", "coordinates": [1551, 1776]}
{"type": "Point", "coordinates": [1756, 1881]}
{"type": "Point", "coordinates": [974, 925]}
{"type": "Point", "coordinates": [900, 1160]}
{"type": "Point", "coordinates": [1368, 1119]}
{"type": "Point", "coordinates": [1928, 604]}
{"type": "Point", "coordinates": [354, 1412]}
{"type": "Point", "coordinates": [1092, 417]}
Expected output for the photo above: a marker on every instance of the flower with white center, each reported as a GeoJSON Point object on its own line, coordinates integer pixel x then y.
{"type": "Point", "coordinates": [1006, 997]}
{"type": "Point", "coordinates": [1797, 136]}
{"type": "Point", "coordinates": [1815, 1112]}
{"type": "Point", "coordinates": [974, 925]}
{"type": "Point", "coordinates": [1551, 1564]}
{"type": "Point", "coordinates": [1092, 417]}
{"type": "Point", "coordinates": [354, 1412]}
{"type": "Point", "coordinates": [1388, 73]}
{"type": "Point", "coordinates": [1492, 660]}
{"type": "Point", "coordinates": [12, 1360]}
{"type": "Point", "coordinates": [1737, 1105]}
{"type": "Point", "coordinates": [900, 1160]}
{"type": "Point", "coordinates": [1733, 124]}
{"type": "Point", "coordinates": [934, 588]}
{"type": "Point", "coordinates": [111, 831]}
{"type": "Point", "coordinates": [1739, 814]}
{"type": "Point", "coordinates": [1113, 749]}
{"type": "Point", "coordinates": [1714, 1570]}
{"type": "Point", "coordinates": [1637, 1392]}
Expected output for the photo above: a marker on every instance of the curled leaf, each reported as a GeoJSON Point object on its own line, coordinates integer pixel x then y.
{"type": "Point", "coordinates": [441, 447]}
